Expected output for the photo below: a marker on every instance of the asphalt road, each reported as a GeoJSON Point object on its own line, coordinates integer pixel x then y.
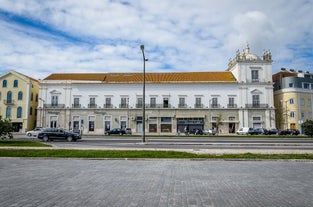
{"type": "Point", "coordinates": [199, 145]}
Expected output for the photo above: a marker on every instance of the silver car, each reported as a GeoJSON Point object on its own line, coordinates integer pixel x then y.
{"type": "Point", "coordinates": [34, 132]}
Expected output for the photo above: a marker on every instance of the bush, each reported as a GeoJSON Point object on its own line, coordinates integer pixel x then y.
{"type": "Point", "coordinates": [308, 127]}
{"type": "Point", "coordinates": [6, 128]}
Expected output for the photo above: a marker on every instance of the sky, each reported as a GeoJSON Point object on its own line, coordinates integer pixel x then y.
{"type": "Point", "coordinates": [38, 37]}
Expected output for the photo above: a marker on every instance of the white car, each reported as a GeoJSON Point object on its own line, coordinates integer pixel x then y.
{"type": "Point", "coordinates": [244, 131]}
{"type": "Point", "coordinates": [209, 131]}
{"type": "Point", "coordinates": [34, 132]}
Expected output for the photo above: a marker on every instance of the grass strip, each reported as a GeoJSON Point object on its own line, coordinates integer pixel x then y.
{"type": "Point", "coordinates": [21, 143]}
{"type": "Point", "coordinates": [116, 154]}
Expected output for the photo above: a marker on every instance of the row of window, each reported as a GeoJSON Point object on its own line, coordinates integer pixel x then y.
{"type": "Point", "coordinates": [5, 83]}
{"type": "Point", "coordinates": [302, 101]}
{"type": "Point", "coordinates": [124, 103]}
{"type": "Point", "coordinates": [304, 85]}
{"type": "Point", "coordinates": [19, 111]}
{"type": "Point", "coordinates": [302, 114]}
{"type": "Point", "coordinates": [9, 97]}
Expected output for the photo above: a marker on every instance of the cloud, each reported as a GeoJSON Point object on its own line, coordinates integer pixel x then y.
{"type": "Point", "coordinates": [42, 37]}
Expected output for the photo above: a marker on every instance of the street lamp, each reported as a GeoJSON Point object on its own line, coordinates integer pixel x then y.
{"type": "Point", "coordinates": [142, 47]}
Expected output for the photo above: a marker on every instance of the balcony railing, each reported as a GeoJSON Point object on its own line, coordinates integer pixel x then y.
{"type": "Point", "coordinates": [92, 106]}
{"type": "Point", "coordinates": [77, 106]}
{"type": "Point", "coordinates": [54, 105]}
{"type": "Point", "coordinates": [182, 106]}
{"type": "Point", "coordinates": [158, 106]}
{"type": "Point", "coordinates": [256, 105]}
{"type": "Point", "coordinates": [10, 102]}
{"type": "Point", "coordinates": [198, 106]}
{"type": "Point", "coordinates": [123, 106]}
{"type": "Point", "coordinates": [231, 106]}
{"type": "Point", "coordinates": [138, 106]}
{"type": "Point", "coordinates": [107, 106]}
{"type": "Point", "coordinates": [215, 106]}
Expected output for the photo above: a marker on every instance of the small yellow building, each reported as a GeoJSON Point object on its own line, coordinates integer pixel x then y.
{"type": "Point", "coordinates": [19, 100]}
{"type": "Point", "coordinates": [293, 95]}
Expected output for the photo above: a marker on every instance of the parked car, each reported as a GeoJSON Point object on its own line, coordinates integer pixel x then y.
{"type": "Point", "coordinates": [196, 132]}
{"type": "Point", "coordinates": [56, 133]}
{"type": "Point", "coordinates": [258, 131]}
{"type": "Point", "coordinates": [128, 131]}
{"type": "Point", "coordinates": [273, 131]}
{"type": "Point", "coordinates": [289, 132]}
{"type": "Point", "coordinates": [244, 131]}
{"type": "Point", "coordinates": [34, 132]}
{"type": "Point", "coordinates": [209, 132]}
{"type": "Point", "coordinates": [118, 131]}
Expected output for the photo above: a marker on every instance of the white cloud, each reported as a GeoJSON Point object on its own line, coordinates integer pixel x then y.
{"type": "Point", "coordinates": [183, 35]}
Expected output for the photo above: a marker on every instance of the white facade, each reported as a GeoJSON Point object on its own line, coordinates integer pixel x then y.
{"type": "Point", "coordinates": [95, 106]}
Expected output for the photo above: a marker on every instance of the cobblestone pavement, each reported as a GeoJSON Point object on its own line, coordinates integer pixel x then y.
{"type": "Point", "coordinates": [80, 182]}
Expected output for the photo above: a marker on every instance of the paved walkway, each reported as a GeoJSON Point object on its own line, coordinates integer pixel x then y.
{"type": "Point", "coordinates": [79, 182]}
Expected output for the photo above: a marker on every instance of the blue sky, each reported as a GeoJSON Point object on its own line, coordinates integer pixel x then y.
{"type": "Point", "coordinates": [38, 37]}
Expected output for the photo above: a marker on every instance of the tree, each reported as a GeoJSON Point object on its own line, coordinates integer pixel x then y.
{"type": "Point", "coordinates": [308, 127]}
{"type": "Point", "coordinates": [6, 128]}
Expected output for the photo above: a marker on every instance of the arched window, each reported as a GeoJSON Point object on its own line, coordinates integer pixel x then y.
{"type": "Point", "coordinates": [8, 113]}
{"type": "Point", "coordinates": [20, 95]}
{"type": "Point", "coordinates": [4, 83]}
{"type": "Point", "coordinates": [15, 83]}
{"type": "Point", "coordinates": [31, 111]}
{"type": "Point", "coordinates": [19, 112]}
{"type": "Point", "coordinates": [9, 97]}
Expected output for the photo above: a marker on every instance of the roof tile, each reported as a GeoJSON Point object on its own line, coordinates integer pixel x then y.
{"type": "Point", "coordinates": [150, 77]}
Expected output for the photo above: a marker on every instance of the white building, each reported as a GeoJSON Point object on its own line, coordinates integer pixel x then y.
{"type": "Point", "coordinates": [240, 96]}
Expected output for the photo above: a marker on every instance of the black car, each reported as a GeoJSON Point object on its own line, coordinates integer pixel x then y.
{"type": "Point", "coordinates": [196, 132]}
{"type": "Point", "coordinates": [56, 133]}
{"type": "Point", "coordinates": [258, 131]}
{"type": "Point", "coordinates": [273, 131]}
{"type": "Point", "coordinates": [116, 131]}
{"type": "Point", "coordinates": [289, 132]}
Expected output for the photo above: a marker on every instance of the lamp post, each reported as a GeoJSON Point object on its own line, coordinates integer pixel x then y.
{"type": "Point", "coordinates": [142, 47]}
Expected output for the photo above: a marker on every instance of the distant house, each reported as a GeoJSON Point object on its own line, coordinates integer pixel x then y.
{"type": "Point", "coordinates": [19, 100]}
{"type": "Point", "coordinates": [241, 96]}
{"type": "Point", "coordinates": [293, 95]}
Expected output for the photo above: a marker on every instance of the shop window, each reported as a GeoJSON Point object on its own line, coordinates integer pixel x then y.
{"type": "Point", "coordinates": [166, 124]}
{"type": "Point", "coordinates": [153, 124]}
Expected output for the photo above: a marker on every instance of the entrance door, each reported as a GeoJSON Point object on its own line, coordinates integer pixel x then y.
{"type": "Point", "coordinates": [232, 127]}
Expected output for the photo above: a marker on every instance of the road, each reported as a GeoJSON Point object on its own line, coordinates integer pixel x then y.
{"type": "Point", "coordinates": [194, 144]}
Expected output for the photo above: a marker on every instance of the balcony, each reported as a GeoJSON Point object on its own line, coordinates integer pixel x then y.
{"type": "Point", "coordinates": [158, 106]}
{"type": "Point", "coordinates": [256, 106]}
{"type": "Point", "coordinates": [139, 106]}
{"type": "Point", "coordinates": [123, 106]}
{"type": "Point", "coordinates": [8, 102]}
{"type": "Point", "coordinates": [182, 106]}
{"type": "Point", "coordinates": [108, 106]}
{"type": "Point", "coordinates": [231, 106]}
{"type": "Point", "coordinates": [54, 105]}
{"type": "Point", "coordinates": [76, 106]}
{"type": "Point", "coordinates": [92, 106]}
{"type": "Point", "coordinates": [215, 106]}
{"type": "Point", "coordinates": [198, 106]}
